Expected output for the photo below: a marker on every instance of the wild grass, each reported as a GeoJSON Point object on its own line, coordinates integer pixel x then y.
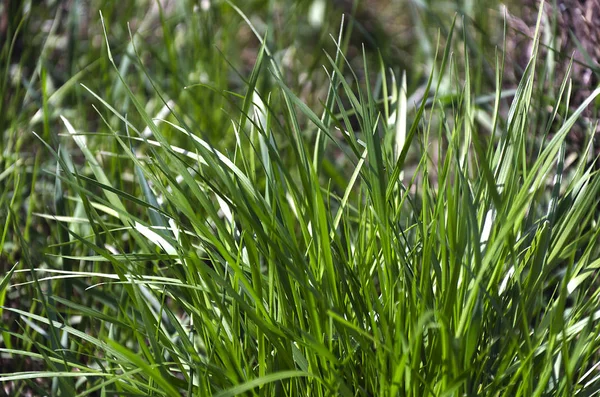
{"type": "Point", "coordinates": [240, 239]}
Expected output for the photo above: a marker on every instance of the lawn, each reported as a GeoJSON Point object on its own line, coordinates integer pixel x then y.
{"type": "Point", "coordinates": [294, 198]}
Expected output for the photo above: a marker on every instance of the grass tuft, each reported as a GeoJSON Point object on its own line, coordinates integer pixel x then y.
{"type": "Point", "coordinates": [233, 237]}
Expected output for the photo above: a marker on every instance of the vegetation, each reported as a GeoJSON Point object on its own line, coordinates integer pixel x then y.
{"type": "Point", "coordinates": [203, 202]}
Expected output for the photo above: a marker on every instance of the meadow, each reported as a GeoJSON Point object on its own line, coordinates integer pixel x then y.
{"type": "Point", "coordinates": [293, 198]}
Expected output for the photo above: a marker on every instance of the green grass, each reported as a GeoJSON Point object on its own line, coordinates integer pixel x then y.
{"type": "Point", "coordinates": [190, 227]}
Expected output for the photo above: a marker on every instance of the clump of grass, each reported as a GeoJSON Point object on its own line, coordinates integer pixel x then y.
{"type": "Point", "coordinates": [267, 269]}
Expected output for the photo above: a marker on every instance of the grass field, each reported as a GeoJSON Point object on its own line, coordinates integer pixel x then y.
{"type": "Point", "coordinates": [265, 198]}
